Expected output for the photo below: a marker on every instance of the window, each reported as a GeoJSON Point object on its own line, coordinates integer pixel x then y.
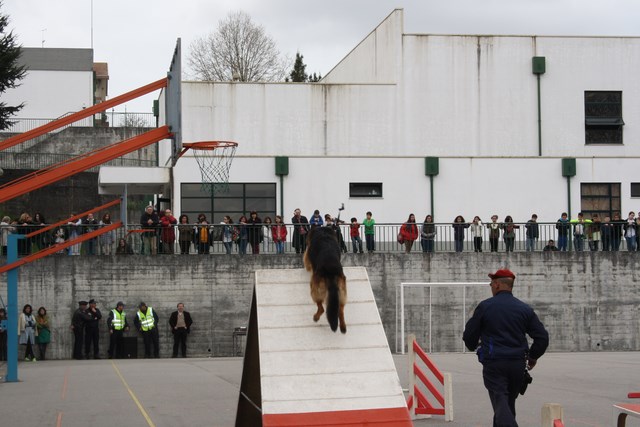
{"type": "Point", "coordinates": [635, 189]}
{"type": "Point", "coordinates": [239, 200]}
{"type": "Point", "coordinates": [603, 117]}
{"type": "Point", "coordinates": [365, 189]}
{"type": "Point", "coordinates": [600, 198]}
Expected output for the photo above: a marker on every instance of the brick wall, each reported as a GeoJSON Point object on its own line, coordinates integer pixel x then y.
{"type": "Point", "coordinates": [588, 301]}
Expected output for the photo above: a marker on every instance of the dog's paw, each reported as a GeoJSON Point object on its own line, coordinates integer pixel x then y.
{"type": "Point", "coordinates": [316, 317]}
{"type": "Point", "coordinates": [343, 329]}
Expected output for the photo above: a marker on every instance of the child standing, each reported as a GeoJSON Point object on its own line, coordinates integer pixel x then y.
{"type": "Point", "coordinates": [356, 241]}
{"type": "Point", "coordinates": [369, 233]}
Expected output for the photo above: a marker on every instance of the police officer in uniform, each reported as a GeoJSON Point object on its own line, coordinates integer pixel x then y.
{"type": "Point", "coordinates": [498, 330]}
{"type": "Point", "coordinates": [80, 317]}
{"type": "Point", "coordinates": [117, 324]}
{"type": "Point", "coordinates": [146, 322]}
{"type": "Point", "coordinates": [91, 330]}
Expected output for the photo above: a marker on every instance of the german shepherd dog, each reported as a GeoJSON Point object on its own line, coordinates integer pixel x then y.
{"type": "Point", "coordinates": [328, 282]}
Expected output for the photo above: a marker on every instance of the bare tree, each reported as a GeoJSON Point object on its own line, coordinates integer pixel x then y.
{"type": "Point", "coordinates": [238, 50]}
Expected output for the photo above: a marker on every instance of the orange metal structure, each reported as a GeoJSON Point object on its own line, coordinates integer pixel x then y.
{"type": "Point", "coordinates": [87, 112]}
{"type": "Point", "coordinates": [60, 246]}
{"type": "Point", "coordinates": [57, 172]}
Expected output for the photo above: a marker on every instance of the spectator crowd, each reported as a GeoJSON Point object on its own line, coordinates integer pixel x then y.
{"type": "Point", "coordinates": [161, 232]}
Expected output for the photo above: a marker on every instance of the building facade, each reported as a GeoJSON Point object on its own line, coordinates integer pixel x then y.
{"type": "Point", "coordinates": [511, 125]}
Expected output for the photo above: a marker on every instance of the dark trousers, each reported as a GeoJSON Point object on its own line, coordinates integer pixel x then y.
{"type": "Point", "coordinates": [477, 244]}
{"type": "Point", "coordinates": [180, 341]}
{"type": "Point", "coordinates": [493, 242]}
{"type": "Point", "coordinates": [116, 343]}
{"type": "Point", "coordinates": [28, 351]}
{"type": "Point", "coordinates": [184, 246]}
{"type": "Point", "coordinates": [43, 350]}
{"type": "Point", "coordinates": [371, 243]}
{"type": "Point", "coordinates": [503, 379]}
{"type": "Point", "coordinates": [78, 335]}
{"type": "Point", "coordinates": [151, 338]}
{"type": "Point", "coordinates": [3, 346]}
{"type": "Point", "coordinates": [91, 336]}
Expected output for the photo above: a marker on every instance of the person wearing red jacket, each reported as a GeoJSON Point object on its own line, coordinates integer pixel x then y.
{"type": "Point", "coordinates": [409, 233]}
{"type": "Point", "coordinates": [168, 236]}
{"type": "Point", "coordinates": [279, 234]}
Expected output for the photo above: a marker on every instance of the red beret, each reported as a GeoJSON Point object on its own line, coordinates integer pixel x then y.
{"type": "Point", "coordinates": [503, 272]}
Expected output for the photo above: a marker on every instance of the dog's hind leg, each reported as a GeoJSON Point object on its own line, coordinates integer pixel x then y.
{"type": "Point", "coordinates": [316, 316]}
{"type": "Point", "coordinates": [318, 295]}
{"type": "Point", "coordinates": [343, 324]}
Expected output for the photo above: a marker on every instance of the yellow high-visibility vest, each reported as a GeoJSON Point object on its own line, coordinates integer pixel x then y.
{"type": "Point", "coordinates": [146, 320]}
{"type": "Point", "coordinates": [118, 320]}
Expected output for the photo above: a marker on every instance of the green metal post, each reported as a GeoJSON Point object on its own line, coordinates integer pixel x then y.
{"type": "Point", "coordinates": [282, 197]}
{"type": "Point", "coordinates": [570, 240]}
{"type": "Point", "coordinates": [539, 120]}
{"type": "Point", "coordinates": [432, 207]}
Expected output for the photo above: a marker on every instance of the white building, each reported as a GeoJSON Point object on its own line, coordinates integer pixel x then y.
{"type": "Point", "coordinates": [361, 135]}
{"type": "Point", "coordinates": [58, 81]}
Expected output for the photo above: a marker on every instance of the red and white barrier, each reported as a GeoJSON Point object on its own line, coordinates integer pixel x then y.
{"type": "Point", "coordinates": [420, 402]}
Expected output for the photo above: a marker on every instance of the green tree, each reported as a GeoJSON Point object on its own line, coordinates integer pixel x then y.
{"type": "Point", "coordinates": [313, 78]}
{"type": "Point", "coordinates": [10, 71]}
{"type": "Point", "coordinates": [298, 74]}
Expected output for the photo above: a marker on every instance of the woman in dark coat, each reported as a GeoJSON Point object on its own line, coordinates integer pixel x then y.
{"type": "Point", "coordinates": [254, 224]}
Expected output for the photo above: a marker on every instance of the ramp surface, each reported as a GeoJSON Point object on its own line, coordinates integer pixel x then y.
{"type": "Point", "coordinates": [313, 376]}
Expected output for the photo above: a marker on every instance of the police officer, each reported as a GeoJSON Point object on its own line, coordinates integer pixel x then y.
{"type": "Point", "coordinates": [498, 330]}
{"type": "Point", "coordinates": [91, 330]}
{"type": "Point", "coordinates": [146, 322]}
{"type": "Point", "coordinates": [117, 324]}
{"type": "Point", "coordinates": [80, 317]}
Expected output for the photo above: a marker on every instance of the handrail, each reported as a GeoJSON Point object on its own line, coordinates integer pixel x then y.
{"type": "Point", "coordinates": [74, 217]}
{"type": "Point", "coordinates": [87, 112]}
{"type": "Point", "coordinates": [60, 246]}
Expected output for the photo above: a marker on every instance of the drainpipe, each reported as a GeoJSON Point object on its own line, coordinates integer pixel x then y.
{"type": "Point", "coordinates": [431, 169]}
{"type": "Point", "coordinates": [569, 170]}
{"type": "Point", "coordinates": [539, 68]}
{"type": "Point", "coordinates": [282, 169]}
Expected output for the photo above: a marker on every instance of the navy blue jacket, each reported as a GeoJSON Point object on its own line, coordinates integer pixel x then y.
{"type": "Point", "coordinates": [498, 326]}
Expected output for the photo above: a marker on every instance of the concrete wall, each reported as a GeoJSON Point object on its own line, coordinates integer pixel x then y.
{"type": "Point", "coordinates": [588, 301]}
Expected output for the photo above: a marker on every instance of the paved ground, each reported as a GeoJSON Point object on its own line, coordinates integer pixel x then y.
{"type": "Point", "coordinates": [204, 392]}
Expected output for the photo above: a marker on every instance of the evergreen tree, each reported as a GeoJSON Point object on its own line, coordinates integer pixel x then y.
{"type": "Point", "coordinates": [313, 78]}
{"type": "Point", "coordinates": [298, 73]}
{"type": "Point", "coordinates": [10, 71]}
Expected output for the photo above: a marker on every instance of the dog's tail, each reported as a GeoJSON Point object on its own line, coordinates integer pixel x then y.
{"type": "Point", "coordinates": [333, 302]}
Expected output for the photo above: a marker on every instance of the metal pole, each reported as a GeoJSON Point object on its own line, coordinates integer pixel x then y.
{"type": "Point", "coordinates": [539, 120]}
{"type": "Point", "coordinates": [401, 318]}
{"type": "Point", "coordinates": [569, 234]}
{"type": "Point", "coordinates": [432, 207]}
{"type": "Point", "coordinates": [12, 309]}
{"type": "Point", "coordinates": [282, 197]}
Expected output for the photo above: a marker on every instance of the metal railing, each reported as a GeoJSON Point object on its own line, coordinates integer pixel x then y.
{"type": "Point", "coordinates": [385, 239]}
{"type": "Point", "coordinates": [104, 119]}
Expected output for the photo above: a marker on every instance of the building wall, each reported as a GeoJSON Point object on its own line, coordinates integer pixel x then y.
{"type": "Point", "coordinates": [58, 81]}
{"type": "Point", "coordinates": [397, 98]}
{"type": "Point", "coordinates": [588, 301]}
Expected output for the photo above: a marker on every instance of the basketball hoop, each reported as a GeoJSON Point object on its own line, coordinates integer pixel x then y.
{"type": "Point", "coordinates": [214, 160]}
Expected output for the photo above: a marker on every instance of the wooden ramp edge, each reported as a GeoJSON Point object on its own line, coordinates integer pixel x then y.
{"type": "Point", "coordinates": [300, 373]}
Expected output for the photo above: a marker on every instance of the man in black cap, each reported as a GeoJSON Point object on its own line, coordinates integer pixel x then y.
{"type": "Point", "coordinates": [498, 330]}
{"type": "Point", "coordinates": [91, 330]}
{"type": "Point", "coordinates": [80, 317]}
{"type": "Point", "coordinates": [117, 324]}
{"type": "Point", "coordinates": [146, 322]}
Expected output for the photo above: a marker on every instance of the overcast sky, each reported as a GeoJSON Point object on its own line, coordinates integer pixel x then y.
{"type": "Point", "coordinates": [137, 37]}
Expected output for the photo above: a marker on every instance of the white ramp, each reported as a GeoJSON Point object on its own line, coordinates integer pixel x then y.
{"type": "Point", "coordinates": [308, 375]}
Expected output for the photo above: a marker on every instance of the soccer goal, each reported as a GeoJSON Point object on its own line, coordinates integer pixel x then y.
{"type": "Point", "coordinates": [418, 303]}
